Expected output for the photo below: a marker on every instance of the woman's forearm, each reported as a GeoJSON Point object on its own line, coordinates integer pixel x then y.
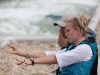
{"type": "Point", "coordinates": [25, 54]}
{"type": "Point", "coordinates": [50, 59]}
{"type": "Point", "coordinates": [36, 54]}
{"type": "Point", "coordinates": [31, 54]}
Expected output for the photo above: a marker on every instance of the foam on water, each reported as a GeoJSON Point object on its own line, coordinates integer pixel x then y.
{"type": "Point", "coordinates": [28, 17]}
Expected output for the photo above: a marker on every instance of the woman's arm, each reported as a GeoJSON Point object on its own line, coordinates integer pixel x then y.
{"type": "Point", "coordinates": [25, 54]}
{"type": "Point", "coordinates": [49, 59]}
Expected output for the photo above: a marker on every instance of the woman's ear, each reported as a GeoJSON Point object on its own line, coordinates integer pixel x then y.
{"type": "Point", "coordinates": [78, 31]}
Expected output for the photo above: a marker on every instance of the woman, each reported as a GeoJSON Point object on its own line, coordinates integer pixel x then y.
{"type": "Point", "coordinates": [76, 59]}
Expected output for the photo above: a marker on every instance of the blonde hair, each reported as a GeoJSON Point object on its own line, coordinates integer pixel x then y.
{"type": "Point", "coordinates": [84, 21]}
{"type": "Point", "coordinates": [81, 22]}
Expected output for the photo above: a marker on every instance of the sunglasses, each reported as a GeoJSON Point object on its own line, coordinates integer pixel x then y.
{"type": "Point", "coordinates": [75, 19]}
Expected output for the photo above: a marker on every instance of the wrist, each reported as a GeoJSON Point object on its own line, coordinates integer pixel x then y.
{"type": "Point", "coordinates": [32, 60]}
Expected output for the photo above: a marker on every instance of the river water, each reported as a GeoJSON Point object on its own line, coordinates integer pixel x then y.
{"type": "Point", "coordinates": [36, 17]}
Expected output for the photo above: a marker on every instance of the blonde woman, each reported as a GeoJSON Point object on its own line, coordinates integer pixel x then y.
{"type": "Point", "coordinates": [76, 59]}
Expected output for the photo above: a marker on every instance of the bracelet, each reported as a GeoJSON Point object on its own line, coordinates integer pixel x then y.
{"type": "Point", "coordinates": [27, 55]}
{"type": "Point", "coordinates": [32, 61]}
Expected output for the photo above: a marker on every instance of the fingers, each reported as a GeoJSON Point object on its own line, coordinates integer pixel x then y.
{"type": "Point", "coordinates": [23, 61]}
{"type": "Point", "coordinates": [61, 36]}
{"type": "Point", "coordinates": [15, 50]}
{"type": "Point", "coordinates": [20, 61]}
{"type": "Point", "coordinates": [10, 45]}
{"type": "Point", "coordinates": [60, 33]}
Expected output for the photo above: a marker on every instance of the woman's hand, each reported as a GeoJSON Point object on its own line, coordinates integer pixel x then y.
{"type": "Point", "coordinates": [15, 50]}
{"type": "Point", "coordinates": [62, 41]}
{"type": "Point", "coordinates": [25, 61]}
{"type": "Point", "coordinates": [20, 61]}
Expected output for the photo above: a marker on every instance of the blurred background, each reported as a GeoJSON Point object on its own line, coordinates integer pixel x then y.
{"type": "Point", "coordinates": [36, 17]}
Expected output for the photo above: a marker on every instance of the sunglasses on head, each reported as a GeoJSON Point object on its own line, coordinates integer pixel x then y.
{"type": "Point", "coordinates": [75, 19]}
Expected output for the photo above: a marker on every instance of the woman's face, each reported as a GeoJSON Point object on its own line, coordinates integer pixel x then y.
{"type": "Point", "coordinates": [70, 33]}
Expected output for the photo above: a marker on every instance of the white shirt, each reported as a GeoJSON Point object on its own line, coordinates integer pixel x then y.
{"type": "Point", "coordinates": [81, 53]}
